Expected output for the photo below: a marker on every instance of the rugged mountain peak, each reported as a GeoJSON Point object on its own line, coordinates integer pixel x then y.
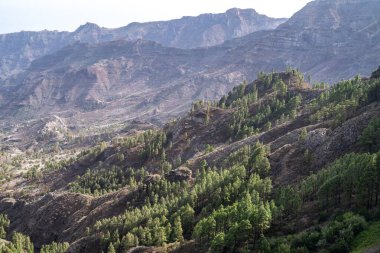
{"type": "Point", "coordinates": [88, 27]}
{"type": "Point", "coordinates": [89, 32]}
{"type": "Point", "coordinates": [236, 11]}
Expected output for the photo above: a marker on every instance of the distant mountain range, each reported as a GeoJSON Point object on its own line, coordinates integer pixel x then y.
{"type": "Point", "coordinates": [111, 80]}
{"type": "Point", "coordinates": [17, 50]}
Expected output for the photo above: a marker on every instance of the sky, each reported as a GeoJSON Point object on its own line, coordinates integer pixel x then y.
{"type": "Point", "coordinates": [67, 15]}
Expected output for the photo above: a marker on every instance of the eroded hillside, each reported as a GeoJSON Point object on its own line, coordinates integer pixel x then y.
{"type": "Point", "coordinates": [270, 158]}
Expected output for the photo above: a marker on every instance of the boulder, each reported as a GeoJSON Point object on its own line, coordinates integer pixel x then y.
{"type": "Point", "coordinates": [179, 174]}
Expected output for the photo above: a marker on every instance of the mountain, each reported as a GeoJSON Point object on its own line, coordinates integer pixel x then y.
{"type": "Point", "coordinates": [121, 80]}
{"type": "Point", "coordinates": [111, 81]}
{"type": "Point", "coordinates": [17, 50]}
{"type": "Point", "coordinates": [329, 40]}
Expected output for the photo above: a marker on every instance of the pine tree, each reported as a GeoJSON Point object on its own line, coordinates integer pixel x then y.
{"type": "Point", "coordinates": [218, 244]}
{"type": "Point", "coordinates": [128, 241]}
{"type": "Point", "coordinates": [111, 248]}
{"type": "Point", "coordinates": [177, 232]}
{"type": "Point", "coordinates": [3, 233]}
{"type": "Point", "coordinates": [370, 137]}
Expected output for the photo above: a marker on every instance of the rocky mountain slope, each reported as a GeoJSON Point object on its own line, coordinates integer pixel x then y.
{"type": "Point", "coordinates": [277, 127]}
{"type": "Point", "coordinates": [120, 80]}
{"type": "Point", "coordinates": [17, 50]}
{"type": "Point", "coordinates": [321, 39]}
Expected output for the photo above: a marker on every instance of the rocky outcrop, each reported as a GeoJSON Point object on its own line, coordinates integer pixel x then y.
{"type": "Point", "coordinates": [180, 174]}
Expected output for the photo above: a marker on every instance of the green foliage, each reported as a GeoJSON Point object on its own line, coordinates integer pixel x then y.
{"type": "Point", "coordinates": [230, 208]}
{"type": "Point", "coordinates": [19, 243]}
{"type": "Point", "coordinates": [111, 248]}
{"type": "Point", "coordinates": [259, 162]}
{"type": "Point", "coordinates": [335, 237]}
{"type": "Point", "coordinates": [276, 109]}
{"type": "Point", "coordinates": [320, 86]}
{"type": "Point", "coordinates": [289, 199]}
{"type": "Point", "coordinates": [254, 158]}
{"type": "Point", "coordinates": [352, 181]}
{"type": "Point", "coordinates": [367, 238]}
{"type": "Point", "coordinates": [209, 148]}
{"type": "Point", "coordinates": [4, 224]}
{"type": "Point", "coordinates": [177, 231]}
{"type": "Point", "coordinates": [169, 210]}
{"type": "Point", "coordinates": [102, 181]}
{"type": "Point", "coordinates": [303, 134]}
{"type": "Point", "coordinates": [370, 137]}
{"type": "Point", "coordinates": [340, 100]}
{"type": "Point", "coordinates": [55, 248]}
{"type": "Point", "coordinates": [151, 143]}
{"type": "Point", "coordinates": [251, 114]}
{"type": "Point", "coordinates": [241, 223]}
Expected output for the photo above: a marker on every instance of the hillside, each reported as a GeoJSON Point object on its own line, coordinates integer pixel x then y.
{"type": "Point", "coordinates": [273, 166]}
{"type": "Point", "coordinates": [254, 136]}
{"type": "Point", "coordinates": [18, 50]}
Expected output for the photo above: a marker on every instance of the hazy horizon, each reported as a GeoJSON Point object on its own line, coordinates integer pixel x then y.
{"type": "Point", "coordinates": [26, 15]}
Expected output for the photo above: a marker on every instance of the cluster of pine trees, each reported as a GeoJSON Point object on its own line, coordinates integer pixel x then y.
{"type": "Point", "coordinates": [352, 181]}
{"type": "Point", "coordinates": [342, 100]}
{"type": "Point", "coordinates": [4, 224]}
{"type": "Point", "coordinates": [105, 180]}
{"type": "Point", "coordinates": [174, 211]}
{"type": "Point", "coordinates": [337, 236]}
{"type": "Point", "coordinates": [251, 114]}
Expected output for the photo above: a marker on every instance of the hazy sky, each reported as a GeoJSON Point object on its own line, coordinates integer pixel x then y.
{"type": "Point", "coordinates": [67, 15]}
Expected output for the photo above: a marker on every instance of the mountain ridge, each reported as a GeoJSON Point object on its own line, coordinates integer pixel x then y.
{"type": "Point", "coordinates": [17, 50]}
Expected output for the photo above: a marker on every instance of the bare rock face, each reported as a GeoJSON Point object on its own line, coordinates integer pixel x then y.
{"type": "Point", "coordinates": [343, 138]}
{"type": "Point", "coordinates": [54, 129]}
{"type": "Point", "coordinates": [316, 138]}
